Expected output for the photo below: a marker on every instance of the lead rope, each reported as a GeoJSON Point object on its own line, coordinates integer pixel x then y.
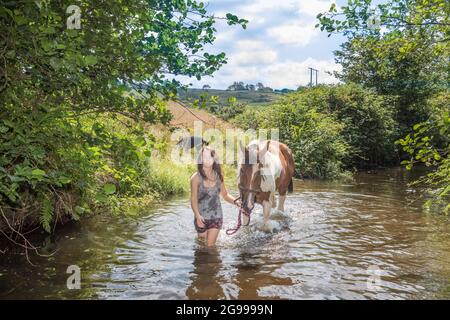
{"type": "Point", "coordinates": [232, 231]}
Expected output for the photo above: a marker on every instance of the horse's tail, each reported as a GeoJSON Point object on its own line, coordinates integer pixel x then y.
{"type": "Point", "coordinates": [287, 153]}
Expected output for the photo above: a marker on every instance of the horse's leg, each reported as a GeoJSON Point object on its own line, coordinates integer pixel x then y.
{"type": "Point", "coordinates": [266, 212]}
{"type": "Point", "coordinates": [281, 200]}
{"type": "Point", "coordinates": [273, 200]}
{"type": "Point", "coordinates": [245, 219]}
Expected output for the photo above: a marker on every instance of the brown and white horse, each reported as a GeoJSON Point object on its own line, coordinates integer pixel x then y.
{"type": "Point", "coordinates": [265, 167]}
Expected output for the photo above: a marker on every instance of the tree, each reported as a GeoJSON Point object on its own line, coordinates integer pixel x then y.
{"type": "Point", "coordinates": [206, 87]}
{"type": "Point", "coordinates": [118, 45]}
{"type": "Point", "coordinates": [237, 86]}
{"type": "Point", "coordinates": [57, 81]}
{"type": "Point", "coordinates": [250, 87]}
{"type": "Point", "coordinates": [401, 48]}
{"type": "Point", "coordinates": [429, 144]}
{"type": "Point", "coordinates": [266, 89]}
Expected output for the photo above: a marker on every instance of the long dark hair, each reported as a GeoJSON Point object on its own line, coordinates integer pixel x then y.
{"type": "Point", "coordinates": [217, 168]}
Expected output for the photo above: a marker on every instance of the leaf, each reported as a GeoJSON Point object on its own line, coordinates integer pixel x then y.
{"type": "Point", "coordinates": [101, 197]}
{"type": "Point", "coordinates": [79, 210]}
{"type": "Point", "coordinates": [17, 178]}
{"type": "Point", "coordinates": [140, 141]}
{"type": "Point", "coordinates": [64, 180]}
{"type": "Point", "coordinates": [46, 214]}
{"type": "Point", "coordinates": [46, 45]}
{"type": "Point", "coordinates": [38, 172]}
{"type": "Point", "coordinates": [109, 188]}
{"type": "Point", "coordinates": [3, 129]}
{"type": "Point", "coordinates": [90, 60]}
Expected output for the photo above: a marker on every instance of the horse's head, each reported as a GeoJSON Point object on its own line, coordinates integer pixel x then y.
{"type": "Point", "coordinates": [249, 174]}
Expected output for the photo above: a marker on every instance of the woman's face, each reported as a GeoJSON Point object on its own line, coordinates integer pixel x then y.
{"type": "Point", "coordinates": [207, 158]}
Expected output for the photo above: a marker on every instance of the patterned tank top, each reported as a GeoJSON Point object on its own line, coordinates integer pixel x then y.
{"type": "Point", "coordinates": [209, 200]}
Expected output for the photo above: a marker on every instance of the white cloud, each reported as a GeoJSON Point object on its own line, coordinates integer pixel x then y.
{"type": "Point", "coordinates": [314, 7]}
{"type": "Point", "coordinates": [223, 36]}
{"type": "Point", "coordinates": [252, 52]}
{"type": "Point", "coordinates": [291, 74]}
{"type": "Point", "coordinates": [308, 7]}
{"type": "Point", "coordinates": [301, 30]}
{"type": "Point", "coordinates": [283, 74]}
{"type": "Point", "coordinates": [258, 6]}
{"type": "Point", "coordinates": [294, 33]}
{"type": "Point", "coordinates": [278, 47]}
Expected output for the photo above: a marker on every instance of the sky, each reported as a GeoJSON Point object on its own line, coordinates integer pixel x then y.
{"type": "Point", "coordinates": [278, 46]}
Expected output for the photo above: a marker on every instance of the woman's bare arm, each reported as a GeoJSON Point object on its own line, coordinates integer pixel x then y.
{"type": "Point", "coordinates": [194, 195]}
{"type": "Point", "coordinates": [226, 196]}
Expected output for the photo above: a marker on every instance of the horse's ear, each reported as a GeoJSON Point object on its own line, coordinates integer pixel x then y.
{"type": "Point", "coordinates": [241, 146]}
{"type": "Point", "coordinates": [241, 150]}
{"type": "Point", "coordinates": [262, 149]}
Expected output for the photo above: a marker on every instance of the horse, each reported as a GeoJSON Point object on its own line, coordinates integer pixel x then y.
{"type": "Point", "coordinates": [265, 167]}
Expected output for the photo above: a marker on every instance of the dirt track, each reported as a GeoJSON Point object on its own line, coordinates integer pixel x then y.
{"type": "Point", "coordinates": [184, 116]}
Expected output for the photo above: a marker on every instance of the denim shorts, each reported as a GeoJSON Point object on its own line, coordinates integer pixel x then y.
{"type": "Point", "coordinates": [214, 223]}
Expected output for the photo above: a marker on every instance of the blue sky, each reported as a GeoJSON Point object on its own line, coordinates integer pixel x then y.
{"type": "Point", "coordinates": [278, 46]}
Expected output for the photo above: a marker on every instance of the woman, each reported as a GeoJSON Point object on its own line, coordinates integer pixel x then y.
{"type": "Point", "coordinates": [206, 188]}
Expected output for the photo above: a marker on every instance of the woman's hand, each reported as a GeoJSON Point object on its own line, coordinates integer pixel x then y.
{"type": "Point", "coordinates": [238, 203]}
{"type": "Point", "coordinates": [200, 221]}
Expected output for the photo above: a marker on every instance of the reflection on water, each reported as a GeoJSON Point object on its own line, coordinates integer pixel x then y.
{"type": "Point", "coordinates": [206, 275]}
{"type": "Point", "coordinates": [359, 240]}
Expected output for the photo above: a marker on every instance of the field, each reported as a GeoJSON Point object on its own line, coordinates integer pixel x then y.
{"type": "Point", "coordinates": [251, 98]}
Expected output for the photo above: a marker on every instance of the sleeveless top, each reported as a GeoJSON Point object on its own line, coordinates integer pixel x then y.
{"type": "Point", "coordinates": [209, 200]}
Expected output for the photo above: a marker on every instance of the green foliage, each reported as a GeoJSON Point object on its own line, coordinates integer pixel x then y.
{"type": "Point", "coordinates": [405, 54]}
{"type": "Point", "coordinates": [224, 110]}
{"type": "Point", "coordinates": [429, 144]}
{"type": "Point", "coordinates": [64, 96]}
{"type": "Point", "coordinates": [313, 136]}
{"type": "Point", "coordinates": [341, 126]}
{"type": "Point", "coordinates": [367, 118]}
{"type": "Point", "coordinates": [46, 214]}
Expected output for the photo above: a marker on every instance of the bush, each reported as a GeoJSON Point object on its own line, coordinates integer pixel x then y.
{"type": "Point", "coordinates": [429, 144]}
{"type": "Point", "coordinates": [53, 166]}
{"type": "Point", "coordinates": [368, 120]}
{"type": "Point", "coordinates": [352, 126]}
{"type": "Point", "coordinates": [314, 137]}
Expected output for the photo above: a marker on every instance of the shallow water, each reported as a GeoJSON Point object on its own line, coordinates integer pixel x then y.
{"type": "Point", "coordinates": [359, 240]}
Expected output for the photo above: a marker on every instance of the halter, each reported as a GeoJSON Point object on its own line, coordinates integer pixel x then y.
{"type": "Point", "coordinates": [242, 211]}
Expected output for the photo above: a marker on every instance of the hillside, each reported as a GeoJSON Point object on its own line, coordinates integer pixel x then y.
{"type": "Point", "coordinates": [252, 98]}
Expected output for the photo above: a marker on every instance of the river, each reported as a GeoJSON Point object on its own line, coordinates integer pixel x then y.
{"type": "Point", "coordinates": [361, 240]}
